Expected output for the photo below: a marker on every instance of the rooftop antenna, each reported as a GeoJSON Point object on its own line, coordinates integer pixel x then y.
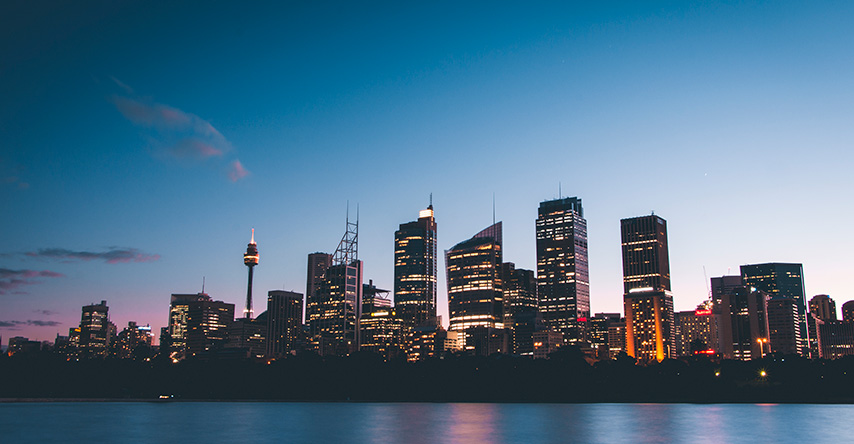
{"type": "Point", "coordinates": [203, 285]}
{"type": "Point", "coordinates": [431, 201]}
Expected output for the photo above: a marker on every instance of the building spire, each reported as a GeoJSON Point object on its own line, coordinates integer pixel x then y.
{"type": "Point", "coordinates": [253, 237]}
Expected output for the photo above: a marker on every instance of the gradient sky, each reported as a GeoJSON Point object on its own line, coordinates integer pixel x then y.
{"type": "Point", "coordinates": [140, 143]}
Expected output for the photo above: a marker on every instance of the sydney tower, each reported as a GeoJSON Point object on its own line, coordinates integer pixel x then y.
{"type": "Point", "coordinates": [250, 259]}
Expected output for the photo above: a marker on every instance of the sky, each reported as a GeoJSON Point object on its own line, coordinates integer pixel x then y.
{"type": "Point", "coordinates": [140, 143]}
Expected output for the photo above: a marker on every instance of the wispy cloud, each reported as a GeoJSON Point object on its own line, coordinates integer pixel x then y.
{"type": "Point", "coordinates": [176, 134]}
{"type": "Point", "coordinates": [113, 255]}
{"type": "Point", "coordinates": [12, 325]}
{"type": "Point", "coordinates": [236, 171]}
{"type": "Point", "coordinates": [11, 280]}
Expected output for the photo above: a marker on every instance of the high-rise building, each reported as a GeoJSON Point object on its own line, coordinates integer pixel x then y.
{"type": "Point", "coordinates": [318, 263]}
{"type": "Point", "coordinates": [848, 311]}
{"type": "Point", "coordinates": [374, 298]}
{"type": "Point", "coordinates": [248, 336]}
{"type": "Point", "coordinates": [250, 259]}
{"type": "Point", "coordinates": [598, 333]}
{"type": "Point", "coordinates": [520, 291]}
{"type": "Point", "coordinates": [835, 339]}
{"type": "Point", "coordinates": [134, 341]}
{"type": "Point", "coordinates": [284, 322]}
{"type": "Point", "coordinates": [650, 332]}
{"type": "Point", "coordinates": [823, 307]}
{"type": "Point", "coordinates": [697, 331]}
{"type": "Point", "coordinates": [781, 281]}
{"type": "Point", "coordinates": [743, 328]}
{"type": "Point", "coordinates": [473, 268]}
{"type": "Point", "coordinates": [724, 285]}
{"type": "Point", "coordinates": [336, 305]}
{"type": "Point", "coordinates": [95, 330]}
{"type": "Point", "coordinates": [197, 324]}
{"type": "Point", "coordinates": [784, 333]}
{"type": "Point", "coordinates": [563, 284]}
{"type": "Point", "coordinates": [382, 332]}
{"type": "Point", "coordinates": [415, 270]}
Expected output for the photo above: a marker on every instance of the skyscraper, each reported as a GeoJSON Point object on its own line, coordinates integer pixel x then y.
{"type": "Point", "coordinates": [781, 281]}
{"type": "Point", "coordinates": [650, 332]}
{"type": "Point", "coordinates": [823, 307]}
{"type": "Point", "coordinates": [197, 324]}
{"type": "Point", "coordinates": [250, 259]}
{"type": "Point", "coordinates": [95, 330]}
{"type": "Point", "coordinates": [743, 329]}
{"type": "Point", "coordinates": [415, 270]}
{"type": "Point", "coordinates": [284, 322]}
{"type": "Point", "coordinates": [563, 285]}
{"type": "Point", "coordinates": [520, 291]}
{"type": "Point", "coordinates": [336, 305]}
{"type": "Point", "coordinates": [474, 281]}
{"type": "Point", "coordinates": [318, 263]}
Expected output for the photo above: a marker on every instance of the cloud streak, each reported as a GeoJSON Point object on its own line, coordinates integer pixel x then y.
{"type": "Point", "coordinates": [12, 280]}
{"type": "Point", "coordinates": [33, 322]}
{"type": "Point", "coordinates": [112, 256]}
{"type": "Point", "coordinates": [176, 135]}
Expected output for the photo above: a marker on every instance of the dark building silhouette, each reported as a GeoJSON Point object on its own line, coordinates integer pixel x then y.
{"type": "Point", "coordinates": [724, 285]}
{"type": "Point", "coordinates": [784, 322]}
{"type": "Point", "coordinates": [284, 322]}
{"type": "Point", "coordinates": [563, 284]}
{"type": "Point", "coordinates": [848, 311]}
{"type": "Point", "coordinates": [781, 281]}
{"type": "Point", "coordinates": [318, 263]}
{"type": "Point", "coordinates": [599, 333]}
{"type": "Point", "coordinates": [248, 337]}
{"type": "Point", "coordinates": [650, 332]}
{"type": "Point", "coordinates": [475, 296]}
{"type": "Point", "coordinates": [835, 339]}
{"type": "Point", "coordinates": [134, 341]}
{"type": "Point", "coordinates": [415, 270]}
{"type": "Point", "coordinates": [250, 259]}
{"type": "Point", "coordinates": [743, 329]}
{"type": "Point", "coordinates": [374, 298]}
{"type": "Point", "coordinates": [520, 291]}
{"type": "Point", "coordinates": [95, 331]}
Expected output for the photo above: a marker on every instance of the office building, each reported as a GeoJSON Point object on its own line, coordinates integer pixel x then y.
{"type": "Point", "coordinates": [823, 307]}
{"type": "Point", "coordinates": [650, 332]}
{"type": "Point", "coordinates": [563, 284]}
{"type": "Point", "coordinates": [781, 281]}
{"type": "Point", "coordinates": [336, 305]}
{"type": "Point", "coordinates": [743, 329]}
{"type": "Point", "coordinates": [475, 296]}
{"type": "Point", "coordinates": [697, 331]}
{"type": "Point", "coordinates": [848, 311]}
{"type": "Point", "coordinates": [134, 342]}
{"type": "Point", "coordinates": [415, 270]}
{"type": "Point", "coordinates": [198, 324]}
{"type": "Point", "coordinates": [382, 332]}
{"type": "Point", "coordinates": [520, 291]}
{"type": "Point", "coordinates": [248, 337]}
{"type": "Point", "coordinates": [835, 339]}
{"type": "Point", "coordinates": [284, 323]}
{"type": "Point", "coordinates": [784, 332]}
{"type": "Point", "coordinates": [318, 263]}
{"type": "Point", "coordinates": [599, 333]}
{"type": "Point", "coordinates": [95, 331]}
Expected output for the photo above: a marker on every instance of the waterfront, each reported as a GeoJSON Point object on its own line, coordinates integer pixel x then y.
{"type": "Point", "coordinates": [415, 423]}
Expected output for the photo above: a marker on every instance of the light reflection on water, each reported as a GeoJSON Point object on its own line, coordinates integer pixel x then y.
{"type": "Point", "coordinates": [421, 423]}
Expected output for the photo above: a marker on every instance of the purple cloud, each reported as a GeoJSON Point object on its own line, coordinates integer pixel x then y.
{"type": "Point", "coordinates": [236, 171]}
{"type": "Point", "coordinates": [112, 256]}
{"type": "Point", "coordinates": [14, 279]}
{"type": "Point", "coordinates": [34, 322]}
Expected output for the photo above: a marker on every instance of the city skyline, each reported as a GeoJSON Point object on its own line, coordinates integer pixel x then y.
{"type": "Point", "coordinates": [134, 163]}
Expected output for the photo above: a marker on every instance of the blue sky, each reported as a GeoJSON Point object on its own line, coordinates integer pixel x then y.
{"type": "Point", "coordinates": [139, 143]}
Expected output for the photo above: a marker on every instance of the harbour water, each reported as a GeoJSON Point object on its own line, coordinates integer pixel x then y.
{"type": "Point", "coordinates": [143, 422]}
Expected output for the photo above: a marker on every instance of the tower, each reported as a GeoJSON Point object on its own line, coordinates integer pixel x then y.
{"type": "Point", "coordinates": [563, 285]}
{"type": "Point", "coordinates": [650, 332]}
{"type": "Point", "coordinates": [415, 270]}
{"type": "Point", "coordinates": [782, 281]}
{"type": "Point", "coordinates": [475, 296]}
{"type": "Point", "coordinates": [250, 259]}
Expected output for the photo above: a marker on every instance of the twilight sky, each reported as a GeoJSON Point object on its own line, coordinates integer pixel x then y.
{"type": "Point", "coordinates": [140, 143]}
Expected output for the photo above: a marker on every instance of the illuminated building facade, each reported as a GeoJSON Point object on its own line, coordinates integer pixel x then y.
{"type": "Point", "coordinates": [250, 259]}
{"type": "Point", "coordinates": [318, 263]}
{"type": "Point", "coordinates": [743, 328]}
{"type": "Point", "coordinates": [336, 306]}
{"type": "Point", "coordinates": [475, 296]}
{"type": "Point", "coordinates": [520, 291]}
{"type": "Point", "coordinates": [427, 342]}
{"type": "Point", "coordinates": [650, 332]}
{"type": "Point", "coordinates": [546, 342]}
{"type": "Point", "coordinates": [835, 339]}
{"type": "Point", "coordinates": [197, 324]}
{"type": "Point", "coordinates": [616, 338]}
{"type": "Point", "coordinates": [563, 284]}
{"type": "Point", "coordinates": [382, 332]}
{"type": "Point", "coordinates": [598, 333]}
{"type": "Point", "coordinates": [95, 330]}
{"type": "Point", "coordinates": [249, 336]}
{"type": "Point", "coordinates": [698, 325]}
{"type": "Point", "coordinates": [284, 322]}
{"type": "Point", "coordinates": [374, 298]}
{"type": "Point", "coordinates": [823, 307]}
{"type": "Point", "coordinates": [134, 341]}
{"type": "Point", "coordinates": [784, 320]}
{"type": "Point", "coordinates": [415, 270]}
{"type": "Point", "coordinates": [848, 311]}
{"type": "Point", "coordinates": [524, 325]}
{"type": "Point", "coordinates": [724, 285]}
{"type": "Point", "coordinates": [781, 281]}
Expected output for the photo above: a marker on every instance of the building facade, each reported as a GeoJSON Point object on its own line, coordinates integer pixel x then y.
{"type": "Point", "coordinates": [475, 297]}
{"type": "Point", "coordinates": [415, 270]}
{"type": "Point", "coordinates": [781, 281]}
{"type": "Point", "coordinates": [563, 284]}
{"type": "Point", "coordinates": [284, 322]}
{"type": "Point", "coordinates": [648, 303]}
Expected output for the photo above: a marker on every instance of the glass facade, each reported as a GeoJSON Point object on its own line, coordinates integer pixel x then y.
{"type": "Point", "coordinates": [475, 296]}
{"type": "Point", "coordinates": [415, 270]}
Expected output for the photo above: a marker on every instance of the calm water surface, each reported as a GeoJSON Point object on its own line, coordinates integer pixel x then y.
{"type": "Point", "coordinates": [141, 422]}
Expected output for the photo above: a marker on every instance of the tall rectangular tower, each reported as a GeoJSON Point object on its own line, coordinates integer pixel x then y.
{"type": "Point", "coordinates": [650, 332]}
{"type": "Point", "coordinates": [782, 281]}
{"type": "Point", "coordinates": [563, 284]}
{"type": "Point", "coordinates": [284, 322]}
{"type": "Point", "coordinates": [415, 270]}
{"type": "Point", "coordinates": [475, 296]}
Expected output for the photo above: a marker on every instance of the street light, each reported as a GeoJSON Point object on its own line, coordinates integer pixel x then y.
{"type": "Point", "coordinates": [761, 350]}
